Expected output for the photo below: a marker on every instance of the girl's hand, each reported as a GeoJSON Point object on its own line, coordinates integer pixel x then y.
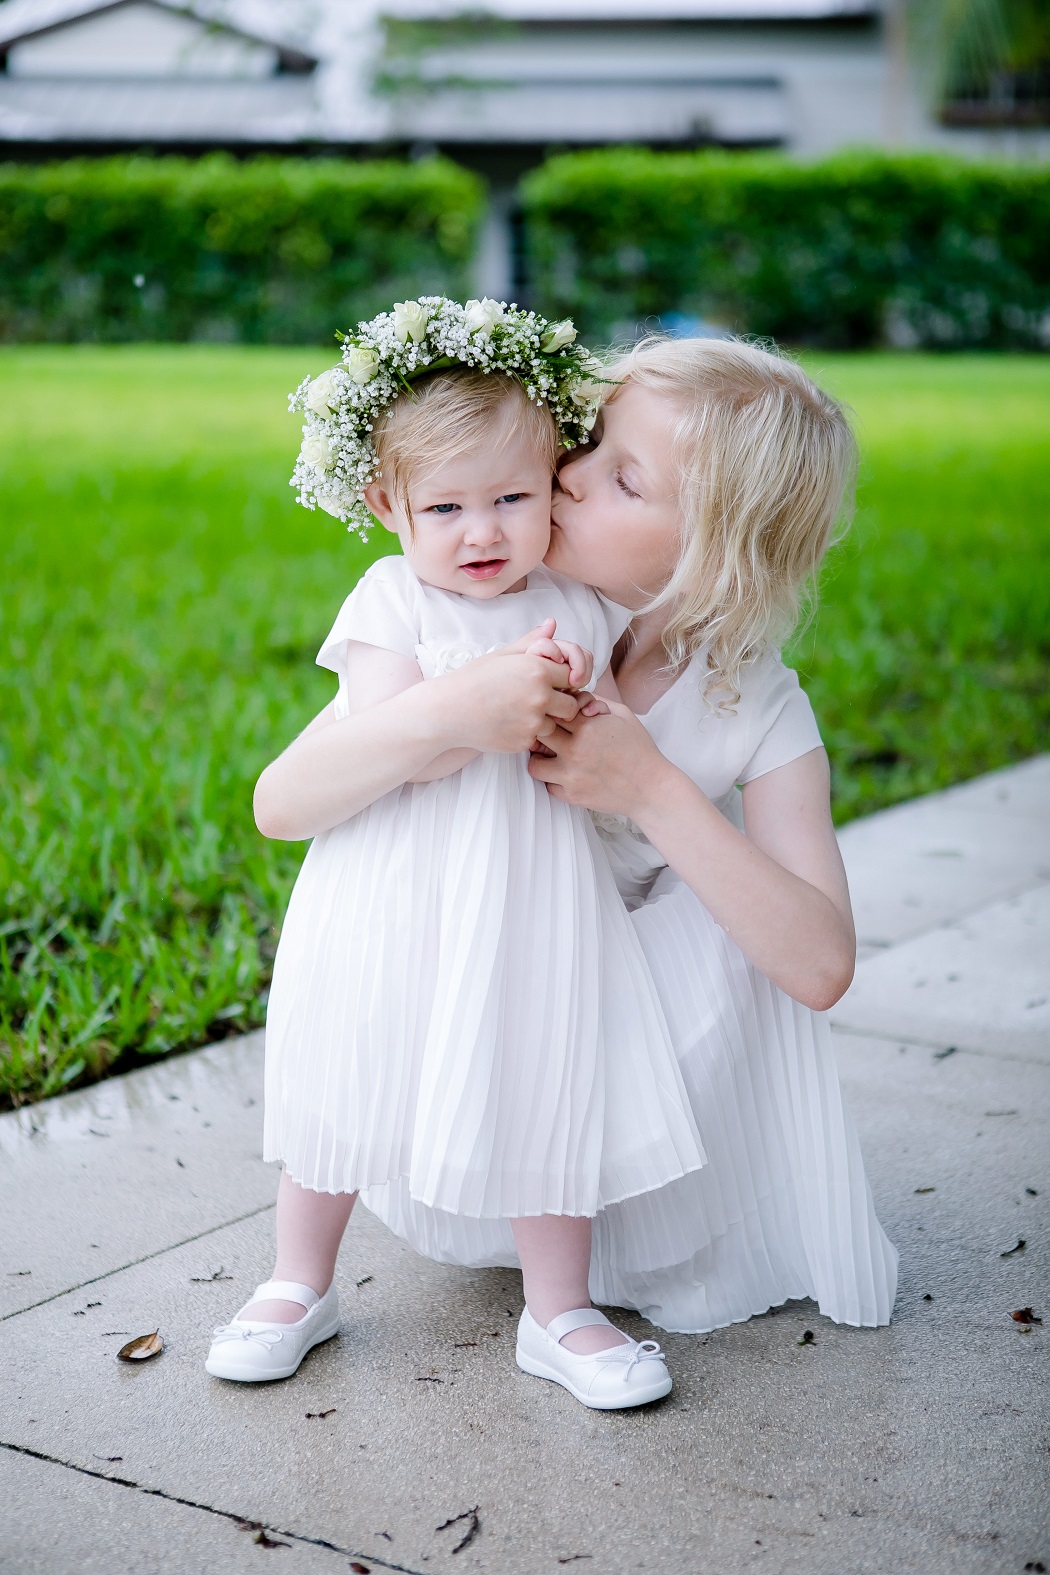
{"type": "Point", "coordinates": [602, 759]}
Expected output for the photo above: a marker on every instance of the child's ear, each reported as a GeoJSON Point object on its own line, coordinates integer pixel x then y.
{"type": "Point", "coordinates": [378, 501]}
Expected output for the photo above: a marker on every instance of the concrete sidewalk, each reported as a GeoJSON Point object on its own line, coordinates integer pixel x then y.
{"type": "Point", "coordinates": [142, 1203]}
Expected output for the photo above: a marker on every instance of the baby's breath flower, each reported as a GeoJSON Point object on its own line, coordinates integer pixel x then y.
{"type": "Point", "coordinates": [337, 461]}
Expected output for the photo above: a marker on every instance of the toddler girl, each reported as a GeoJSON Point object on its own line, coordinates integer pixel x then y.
{"type": "Point", "coordinates": [460, 1008]}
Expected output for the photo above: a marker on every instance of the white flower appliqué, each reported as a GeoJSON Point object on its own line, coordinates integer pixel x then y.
{"type": "Point", "coordinates": [450, 658]}
{"type": "Point", "coordinates": [613, 825]}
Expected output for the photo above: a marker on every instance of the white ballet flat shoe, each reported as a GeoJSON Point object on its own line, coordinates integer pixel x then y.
{"type": "Point", "coordinates": [253, 1353]}
{"type": "Point", "coordinates": [624, 1375]}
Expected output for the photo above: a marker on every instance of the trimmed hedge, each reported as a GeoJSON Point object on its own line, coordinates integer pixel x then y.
{"type": "Point", "coordinates": [854, 250]}
{"type": "Point", "coordinates": [270, 250]}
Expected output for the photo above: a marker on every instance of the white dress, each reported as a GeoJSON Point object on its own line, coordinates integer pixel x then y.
{"type": "Point", "coordinates": [783, 1208]}
{"type": "Point", "coordinates": [460, 1008]}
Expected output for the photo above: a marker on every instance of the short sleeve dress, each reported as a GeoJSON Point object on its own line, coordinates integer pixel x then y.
{"type": "Point", "coordinates": [782, 1208]}
{"type": "Point", "coordinates": [460, 1006]}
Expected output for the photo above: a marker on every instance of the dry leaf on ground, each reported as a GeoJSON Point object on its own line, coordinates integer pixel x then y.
{"type": "Point", "coordinates": [141, 1348]}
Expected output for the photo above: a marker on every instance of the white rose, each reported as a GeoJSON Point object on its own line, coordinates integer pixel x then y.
{"type": "Point", "coordinates": [317, 452]}
{"type": "Point", "coordinates": [556, 338]}
{"type": "Point", "coordinates": [361, 364]}
{"type": "Point", "coordinates": [482, 316]}
{"type": "Point", "coordinates": [323, 394]}
{"type": "Point", "coordinates": [587, 397]}
{"type": "Point", "coordinates": [410, 321]}
{"type": "Point", "coordinates": [586, 393]}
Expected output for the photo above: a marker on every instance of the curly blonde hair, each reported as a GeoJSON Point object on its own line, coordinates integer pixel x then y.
{"type": "Point", "coordinates": [766, 466]}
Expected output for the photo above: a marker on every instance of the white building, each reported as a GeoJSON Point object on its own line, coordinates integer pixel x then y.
{"type": "Point", "coordinates": [496, 87]}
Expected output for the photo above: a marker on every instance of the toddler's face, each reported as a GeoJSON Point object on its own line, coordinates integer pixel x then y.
{"type": "Point", "coordinates": [482, 520]}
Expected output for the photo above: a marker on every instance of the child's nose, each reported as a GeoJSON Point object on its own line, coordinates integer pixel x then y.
{"type": "Point", "coordinates": [482, 528]}
{"type": "Point", "coordinates": [569, 478]}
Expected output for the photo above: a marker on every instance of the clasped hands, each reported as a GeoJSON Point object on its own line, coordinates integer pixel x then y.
{"type": "Point", "coordinates": [532, 695]}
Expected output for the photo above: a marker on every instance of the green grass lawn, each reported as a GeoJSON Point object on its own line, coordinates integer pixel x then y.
{"type": "Point", "coordinates": [163, 598]}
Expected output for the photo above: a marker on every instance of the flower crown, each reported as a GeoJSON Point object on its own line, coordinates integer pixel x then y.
{"type": "Point", "coordinates": [337, 460]}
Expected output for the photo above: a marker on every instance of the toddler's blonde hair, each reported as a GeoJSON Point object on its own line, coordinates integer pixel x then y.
{"type": "Point", "coordinates": [766, 464]}
{"type": "Point", "coordinates": [451, 413]}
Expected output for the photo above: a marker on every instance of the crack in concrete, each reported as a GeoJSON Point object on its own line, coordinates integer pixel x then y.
{"type": "Point", "coordinates": [959, 917]}
{"type": "Point", "coordinates": [850, 1032]}
{"type": "Point", "coordinates": [172, 1247]}
{"type": "Point", "coordinates": [208, 1509]}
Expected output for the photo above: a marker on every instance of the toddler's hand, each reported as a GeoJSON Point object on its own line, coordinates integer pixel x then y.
{"type": "Point", "coordinates": [579, 662]}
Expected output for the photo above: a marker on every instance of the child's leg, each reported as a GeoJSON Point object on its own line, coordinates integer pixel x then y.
{"type": "Point", "coordinates": [555, 1253]}
{"type": "Point", "coordinates": [310, 1226]}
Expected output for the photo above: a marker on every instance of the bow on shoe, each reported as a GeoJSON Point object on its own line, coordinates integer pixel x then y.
{"type": "Point", "coordinates": [641, 1351]}
{"type": "Point", "coordinates": [644, 1351]}
{"type": "Point", "coordinates": [232, 1331]}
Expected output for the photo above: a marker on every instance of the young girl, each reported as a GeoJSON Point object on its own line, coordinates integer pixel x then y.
{"type": "Point", "coordinates": [460, 1010]}
{"type": "Point", "coordinates": [706, 500]}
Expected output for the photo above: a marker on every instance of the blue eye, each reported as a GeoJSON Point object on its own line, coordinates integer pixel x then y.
{"type": "Point", "coordinates": [511, 497]}
{"type": "Point", "coordinates": [443, 508]}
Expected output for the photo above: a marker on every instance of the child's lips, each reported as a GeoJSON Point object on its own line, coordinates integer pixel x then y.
{"type": "Point", "coordinates": [484, 568]}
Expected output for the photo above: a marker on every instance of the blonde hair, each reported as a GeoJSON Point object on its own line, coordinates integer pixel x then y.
{"type": "Point", "coordinates": [766, 464]}
{"type": "Point", "coordinates": [451, 413]}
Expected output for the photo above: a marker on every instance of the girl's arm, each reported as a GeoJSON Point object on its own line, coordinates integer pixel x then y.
{"type": "Point", "coordinates": [780, 891]}
{"type": "Point", "coordinates": [339, 765]}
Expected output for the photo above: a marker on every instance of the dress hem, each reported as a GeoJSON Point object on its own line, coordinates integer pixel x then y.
{"type": "Point", "coordinates": [757, 1311]}
{"type": "Point", "coordinates": [603, 1203]}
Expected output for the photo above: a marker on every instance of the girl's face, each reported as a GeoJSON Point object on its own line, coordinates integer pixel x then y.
{"type": "Point", "coordinates": [615, 512]}
{"type": "Point", "coordinates": [481, 521]}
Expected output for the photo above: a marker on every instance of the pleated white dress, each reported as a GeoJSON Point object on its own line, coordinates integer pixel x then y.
{"type": "Point", "coordinates": [783, 1208]}
{"type": "Point", "coordinates": [461, 1008]}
